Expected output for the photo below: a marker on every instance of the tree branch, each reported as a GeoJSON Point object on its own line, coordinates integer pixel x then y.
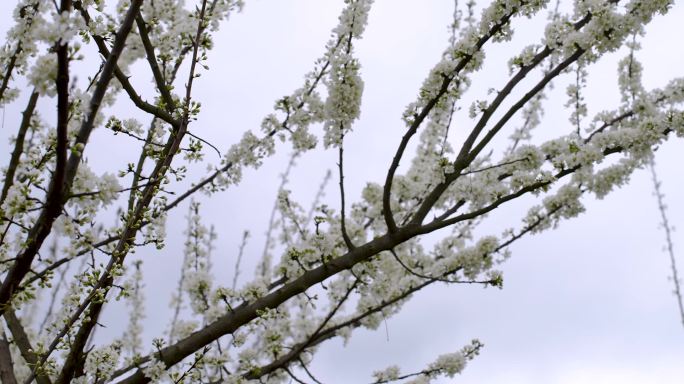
{"type": "Point", "coordinates": [19, 145]}
{"type": "Point", "coordinates": [425, 111]}
{"type": "Point", "coordinates": [21, 340]}
{"type": "Point", "coordinates": [6, 370]}
{"type": "Point", "coordinates": [343, 226]}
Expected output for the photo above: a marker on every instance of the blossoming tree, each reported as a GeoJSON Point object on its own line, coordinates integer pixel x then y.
{"type": "Point", "coordinates": [338, 269]}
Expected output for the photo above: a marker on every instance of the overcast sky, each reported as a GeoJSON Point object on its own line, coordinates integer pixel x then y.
{"type": "Point", "coordinates": [587, 303]}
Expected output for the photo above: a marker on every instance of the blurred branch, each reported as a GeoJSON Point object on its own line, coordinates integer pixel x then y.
{"type": "Point", "coordinates": [6, 370]}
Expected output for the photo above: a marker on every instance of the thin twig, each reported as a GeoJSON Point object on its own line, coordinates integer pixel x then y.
{"type": "Point", "coordinates": [669, 246]}
{"type": "Point", "coordinates": [241, 251]}
{"type": "Point", "coordinates": [265, 265]}
{"type": "Point", "coordinates": [19, 145]}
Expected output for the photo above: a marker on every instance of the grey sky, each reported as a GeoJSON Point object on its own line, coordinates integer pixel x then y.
{"type": "Point", "coordinates": [587, 303]}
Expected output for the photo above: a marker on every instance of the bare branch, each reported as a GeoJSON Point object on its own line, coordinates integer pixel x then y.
{"type": "Point", "coordinates": [343, 226]}
{"type": "Point", "coordinates": [662, 208]}
{"type": "Point", "coordinates": [6, 370]}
